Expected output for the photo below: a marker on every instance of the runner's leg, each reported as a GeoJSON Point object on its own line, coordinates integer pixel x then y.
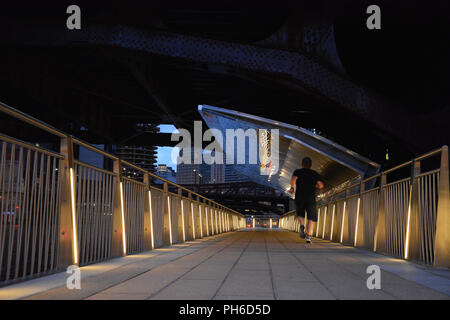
{"type": "Point", "coordinates": [312, 217]}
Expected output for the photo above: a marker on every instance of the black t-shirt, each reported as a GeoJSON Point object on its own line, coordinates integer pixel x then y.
{"type": "Point", "coordinates": [306, 183]}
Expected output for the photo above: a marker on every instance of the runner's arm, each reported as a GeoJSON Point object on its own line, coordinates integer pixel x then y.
{"type": "Point", "coordinates": [293, 180]}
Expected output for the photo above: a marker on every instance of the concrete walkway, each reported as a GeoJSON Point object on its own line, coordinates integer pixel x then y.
{"type": "Point", "coordinates": [258, 264]}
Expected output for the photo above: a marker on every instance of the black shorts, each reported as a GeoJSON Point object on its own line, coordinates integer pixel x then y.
{"type": "Point", "coordinates": [306, 205]}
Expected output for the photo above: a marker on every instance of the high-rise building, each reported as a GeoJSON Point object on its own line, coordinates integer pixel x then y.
{"type": "Point", "coordinates": [141, 156]}
{"type": "Point", "coordinates": [217, 173]}
{"type": "Point", "coordinates": [231, 175]}
{"type": "Point", "coordinates": [166, 172]}
{"type": "Point", "coordinates": [193, 173]}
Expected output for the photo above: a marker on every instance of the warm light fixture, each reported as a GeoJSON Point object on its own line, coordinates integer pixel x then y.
{"type": "Point", "coordinates": [343, 219]}
{"type": "Point", "coordinates": [318, 221]}
{"type": "Point", "coordinates": [124, 239]}
{"type": "Point", "coordinates": [74, 218]}
{"type": "Point", "coordinates": [215, 216]}
{"type": "Point", "coordinates": [201, 222]}
{"type": "Point", "coordinates": [151, 219]}
{"type": "Point", "coordinates": [170, 220]}
{"type": "Point", "coordinates": [324, 222]}
{"type": "Point", "coordinates": [206, 219]}
{"type": "Point", "coordinates": [332, 221]}
{"type": "Point", "coordinates": [182, 220]}
{"type": "Point", "coordinates": [407, 226]}
{"type": "Point", "coordinates": [193, 221]}
{"type": "Point", "coordinates": [356, 227]}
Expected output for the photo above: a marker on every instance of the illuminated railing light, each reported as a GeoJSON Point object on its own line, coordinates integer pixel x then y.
{"type": "Point", "coordinates": [343, 219]}
{"type": "Point", "coordinates": [207, 222]}
{"type": "Point", "coordinates": [182, 220]}
{"type": "Point", "coordinates": [201, 222]}
{"type": "Point", "coordinates": [74, 218]}
{"type": "Point", "coordinates": [356, 226]}
{"type": "Point", "coordinates": [193, 220]}
{"type": "Point", "coordinates": [151, 219]}
{"type": "Point", "coordinates": [324, 223]}
{"type": "Point", "coordinates": [407, 229]}
{"type": "Point", "coordinates": [215, 215]}
{"type": "Point", "coordinates": [170, 220]}
{"type": "Point", "coordinates": [332, 222]}
{"type": "Point", "coordinates": [124, 238]}
{"type": "Point", "coordinates": [318, 221]}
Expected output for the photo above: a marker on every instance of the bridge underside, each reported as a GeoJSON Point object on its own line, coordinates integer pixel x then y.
{"type": "Point", "coordinates": [256, 264]}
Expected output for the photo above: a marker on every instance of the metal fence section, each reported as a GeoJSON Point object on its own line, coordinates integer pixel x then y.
{"type": "Point", "coordinates": [186, 210]}
{"type": "Point", "coordinates": [134, 196]}
{"type": "Point", "coordinates": [396, 204]}
{"type": "Point", "coordinates": [370, 200]}
{"type": "Point", "coordinates": [428, 202]}
{"type": "Point", "coordinates": [29, 216]}
{"type": "Point", "coordinates": [408, 218]}
{"type": "Point", "coordinates": [157, 211]}
{"type": "Point", "coordinates": [94, 208]}
{"type": "Point", "coordinates": [174, 205]}
{"type": "Point", "coordinates": [58, 211]}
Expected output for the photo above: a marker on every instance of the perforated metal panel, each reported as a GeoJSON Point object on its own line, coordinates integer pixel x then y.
{"type": "Point", "coordinates": [333, 162]}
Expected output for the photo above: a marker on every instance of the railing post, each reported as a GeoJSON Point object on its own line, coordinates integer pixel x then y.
{"type": "Point", "coordinates": [188, 219]}
{"type": "Point", "coordinates": [148, 219]}
{"type": "Point", "coordinates": [412, 232]}
{"type": "Point", "coordinates": [344, 232]}
{"type": "Point", "coordinates": [181, 226]}
{"type": "Point", "coordinates": [206, 218]}
{"type": "Point", "coordinates": [380, 228]}
{"type": "Point", "coordinates": [213, 230]}
{"type": "Point", "coordinates": [191, 217]}
{"type": "Point", "coordinates": [199, 217]}
{"type": "Point", "coordinates": [167, 234]}
{"type": "Point", "coordinates": [220, 220]}
{"type": "Point", "coordinates": [118, 236]}
{"type": "Point", "coordinates": [442, 238]}
{"type": "Point", "coordinates": [68, 243]}
{"type": "Point", "coordinates": [359, 228]}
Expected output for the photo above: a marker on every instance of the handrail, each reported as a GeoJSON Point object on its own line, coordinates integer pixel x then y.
{"type": "Point", "coordinates": [30, 146]}
{"type": "Point", "coordinates": [29, 119]}
{"type": "Point", "coordinates": [46, 127]}
{"type": "Point", "coordinates": [402, 165]}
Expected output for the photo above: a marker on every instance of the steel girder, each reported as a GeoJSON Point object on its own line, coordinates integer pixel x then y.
{"type": "Point", "coordinates": [295, 66]}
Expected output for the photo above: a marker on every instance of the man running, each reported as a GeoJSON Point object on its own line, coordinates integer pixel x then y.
{"type": "Point", "coordinates": [306, 182]}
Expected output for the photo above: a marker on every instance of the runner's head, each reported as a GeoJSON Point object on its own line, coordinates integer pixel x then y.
{"type": "Point", "coordinates": [306, 162]}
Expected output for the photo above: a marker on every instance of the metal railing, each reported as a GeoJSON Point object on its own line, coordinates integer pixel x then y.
{"type": "Point", "coordinates": [408, 218]}
{"type": "Point", "coordinates": [58, 211]}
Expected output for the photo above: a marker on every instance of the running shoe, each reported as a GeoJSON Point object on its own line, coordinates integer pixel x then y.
{"type": "Point", "coordinates": [308, 239]}
{"type": "Point", "coordinates": [302, 232]}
